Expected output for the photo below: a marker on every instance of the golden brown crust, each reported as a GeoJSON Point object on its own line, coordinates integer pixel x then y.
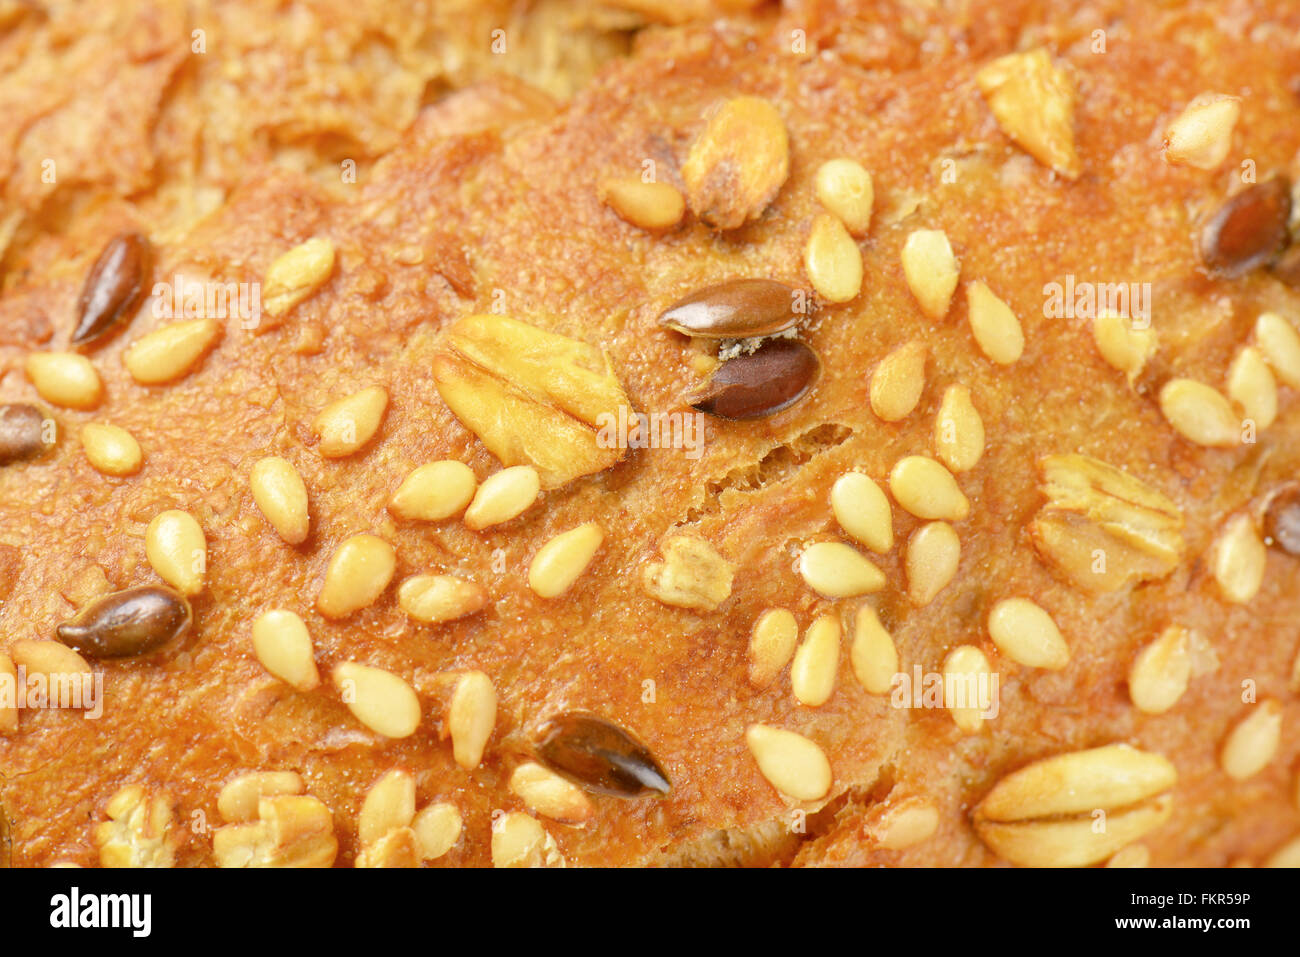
{"type": "Point", "coordinates": [488, 200]}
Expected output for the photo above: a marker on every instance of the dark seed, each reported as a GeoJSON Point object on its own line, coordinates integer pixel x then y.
{"type": "Point", "coordinates": [22, 432]}
{"type": "Point", "coordinates": [126, 623]}
{"type": "Point", "coordinates": [1248, 230]}
{"type": "Point", "coordinates": [773, 377]}
{"type": "Point", "coordinates": [600, 756]}
{"type": "Point", "coordinates": [737, 309]}
{"type": "Point", "coordinates": [1282, 521]}
{"type": "Point", "coordinates": [114, 286]}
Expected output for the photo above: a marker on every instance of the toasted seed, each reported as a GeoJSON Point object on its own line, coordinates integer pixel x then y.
{"type": "Point", "coordinates": [600, 756]}
{"type": "Point", "coordinates": [388, 805]}
{"type": "Point", "coordinates": [738, 162]}
{"type": "Point", "coordinates": [1161, 671]}
{"type": "Point", "coordinates": [1280, 343]}
{"type": "Point", "coordinates": [836, 570]}
{"type": "Point", "coordinates": [1248, 229]}
{"type": "Point", "coordinates": [736, 309]}
{"type": "Point", "coordinates": [546, 793]}
{"type": "Point", "coordinates": [357, 575]}
{"type": "Point", "coordinates": [651, 206]}
{"type": "Point", "coordinates": [1200, 413]}
{"type": "Point", "coordinates": [1201, 135]}
{"type": "Point", "coordinates": [874, 656]}
{"type": "Point", "coordinates": [48, 658]}
{"type": "Point", "coordinates": [559, 563]}
{"type": "Point", "coordinates": [1132, 855]}
{"type": "Point", "coordinates": [927, 489]}
{"type": "Point", "coordinates": [931, 270]}
{"type": "Point", "coordinates": [995, 327]}
{"type": "Point", "coordinates": [863, 511]}
{"type": "Point", "coordinates": [169, 353]}
{"type": "Point", "coordinates": [1075, 841]}
{"type": "Point", "coordinates": [297, 274]}
{"type": "Point", "coordinates": [110, 449]}
{"type": "Point", "coordinates": [1282, 520]}
{"type": "Point", "coordinates": [519, 840]}
{"type": "Point", "coordinates": [22, 433]}
{"type": "Point", "coordinates": [958, 430]}
{"type": "Point", "coordinates": [434, 491]}
{"type": "Point", "coordinates": [345, 426]}
{"type": "Point", "coordinates": [238, 800]}
{"type": "Point", "coordinates": [8, 710]}
{"type": "Point", "coordinates": [907, 825]}
{"type": "Point", "coordinates": [792, 764]}
{"type": "Point", "coordinates": [832, 260]}
{"type": "Point", "coordinates": [437, 829]}
{"type": "Point", "coordinates": [844, 188]}
{"type": "Point", "coordinates": [933, 556]}
{"type": "Point", "coordinates": [471, 717]}
{"type": "Point", "coordinates": [1239, 560]}
{"type": "Point", "coordinates": [898, 382]}
{"type": "Point", "coordinates": [437, 598]}
{"type": "Point", "coordinates": [502, 496]}
{"type": "Point", "coordinates": [131, 622]}
{"type": "Point", "coordinates": [177, 550]}
{"type": "Point", "coordinates": [1113, 776]}
{"type": "Point", "coordinates": [773, 377]}
{"type": "Point", "coordinates": [966, 684]}
{"type": "Point", "coordinates": [771, 645]}
{"type": "Point", "coordinates": [65, 379]}
{"type": "Point", "coordinates": [283, 646]}
{"type": "Point", "coordinates": [281, 496]}
{"type": "Point", "coordinates": [113, 287]}
{"type": "Point", "coordinates": [1121, 344]}
{"type": "Point", "coordinates": [1026, 634]}
{"type": "Point", "coordinates": [1252, 386]}
{"type": "Point", "coordinates": [1252, 744]}
{"type": "Point", "coordinates": [692, 575]}
{"type": "Point", "coordinates": [379, 699]}
{"type": "Point", "coordinates": [1032, 99]}
{"type": "Point", "coordinates": [812, 673]}
{"type": "Point", "coordinates": [533, 397]}
{"type": "Point", "coordinates": [1092, 505]}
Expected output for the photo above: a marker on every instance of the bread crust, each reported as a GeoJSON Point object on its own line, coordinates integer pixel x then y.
{"type": "Point", "coordinates": [488, 200]}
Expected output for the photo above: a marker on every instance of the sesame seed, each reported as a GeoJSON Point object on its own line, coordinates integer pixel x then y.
{"type": "Point", "coordinates": [898, 382]}
{"type": "Point", "coordinates": [995, 327]}
{"type": "Point", "coordinates": [283, 646]}
{"type": "Point", "coordinates": [111, 450]}
{"type": "Point", "coordinates": [1253, 742]}
{"type": "Point", "coordinates": [927, 489]}
{"type": "Point", "coordinates": [1200, 413]}
{"type": "Point", "coordinates": [1026, 633]}
{"type": "Point", "coordinates": [958, 430]}
{"type": "Point", "coordinates": [832, 260]}
{"type": "Point", "coordinates": [65, 379]}
{"type": "Point", "coordinates": [471, 717]}
{"type": "Point", "coordinates": [1239, 560]}
{"type": "Point", "coordinates": [933, 555]}
{"type": "Point", "coordinates": [812, 673]}
{"type": "Point", "coordinates": [281, 496]}
{"type": "Point", "coordinates": [771, 645]}
{"type": "Point", "coordinates": [502, 496]}
{"type": "Point", "coordinates": [792, 764]}
{"type": "Point", "coordinates": [649, 206]}
{"type": "Point", "coordinates": [931, 270]}
{"type": "Point", "coordinates": [434, 491]}
{"type": "Point", "coordinates": [346, 425]}
{"type": "Point", "coordinates": [177, 550]}
{"type": "Point", "coordinates": [874, 656]}
{"type": "Point", "coordinates": [172, 352]}
{"type": "Point", "coordinates": [845, 189]}
{"type": "Point", "coordinates": [357, 574]}
{"type": "Point", "coordinates": [863, 511]}
{"type": "Point", "coordinates": [836, 570]}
